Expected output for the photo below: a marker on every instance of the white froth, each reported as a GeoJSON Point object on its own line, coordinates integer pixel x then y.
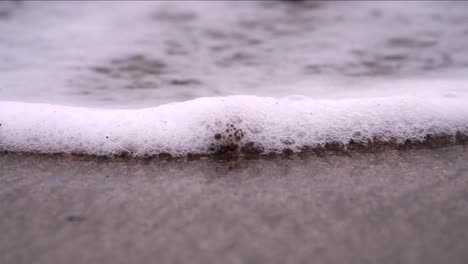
{"type": "Point", "coordinates": [190, 127]}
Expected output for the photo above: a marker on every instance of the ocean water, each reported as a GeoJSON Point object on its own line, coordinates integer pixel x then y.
{"type": "Point", "coordinates": [183, 78]}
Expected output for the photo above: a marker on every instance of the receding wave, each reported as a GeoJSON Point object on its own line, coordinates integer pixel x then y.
{"type": "Point", "coordinates": [235, 125]}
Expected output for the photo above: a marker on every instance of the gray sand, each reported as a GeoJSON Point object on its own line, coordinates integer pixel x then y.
{"type": "Point", "coordinates": [388, 207]}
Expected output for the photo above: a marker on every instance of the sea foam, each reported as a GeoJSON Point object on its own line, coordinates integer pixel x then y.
{"type": "Point", "coordinates": [235, 123]}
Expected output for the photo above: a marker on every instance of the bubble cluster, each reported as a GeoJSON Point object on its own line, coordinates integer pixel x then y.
{"type": "Point", "coordinates": [228, 142]}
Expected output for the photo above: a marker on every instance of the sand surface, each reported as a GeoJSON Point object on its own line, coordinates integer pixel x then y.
{"type": "Point", "coordinates": [389, 207]}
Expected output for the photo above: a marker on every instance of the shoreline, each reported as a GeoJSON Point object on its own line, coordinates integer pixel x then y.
{"type": "Point", "coordinates": [248, 151]}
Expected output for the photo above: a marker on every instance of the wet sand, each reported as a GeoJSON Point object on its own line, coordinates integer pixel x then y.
{"type": "Point", "coordinates": [406, 206]}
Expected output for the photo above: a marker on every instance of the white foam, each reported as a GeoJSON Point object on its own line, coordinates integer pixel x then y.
{"type": "Point", "coordinates": [190, 127]}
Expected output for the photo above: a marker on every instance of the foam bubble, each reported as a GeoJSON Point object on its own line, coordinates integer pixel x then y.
{"type": "Point", "coordinates": [234, 124]}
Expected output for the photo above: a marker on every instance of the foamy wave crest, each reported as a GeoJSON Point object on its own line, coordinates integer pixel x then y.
{"type": "Point", "coordinates": [234, 124]}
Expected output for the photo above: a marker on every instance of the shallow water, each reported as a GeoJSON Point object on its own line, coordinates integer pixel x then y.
{"type": "Point", "coordinates": [145, 54]}
{"type": "Point", "coordinates": [386, 70]}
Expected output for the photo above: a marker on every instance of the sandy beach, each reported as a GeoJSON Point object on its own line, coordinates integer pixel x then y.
{"type": "Point", "coordinates": [234, 132]}
{"type": "Point", "coordinates": [389, 207]}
